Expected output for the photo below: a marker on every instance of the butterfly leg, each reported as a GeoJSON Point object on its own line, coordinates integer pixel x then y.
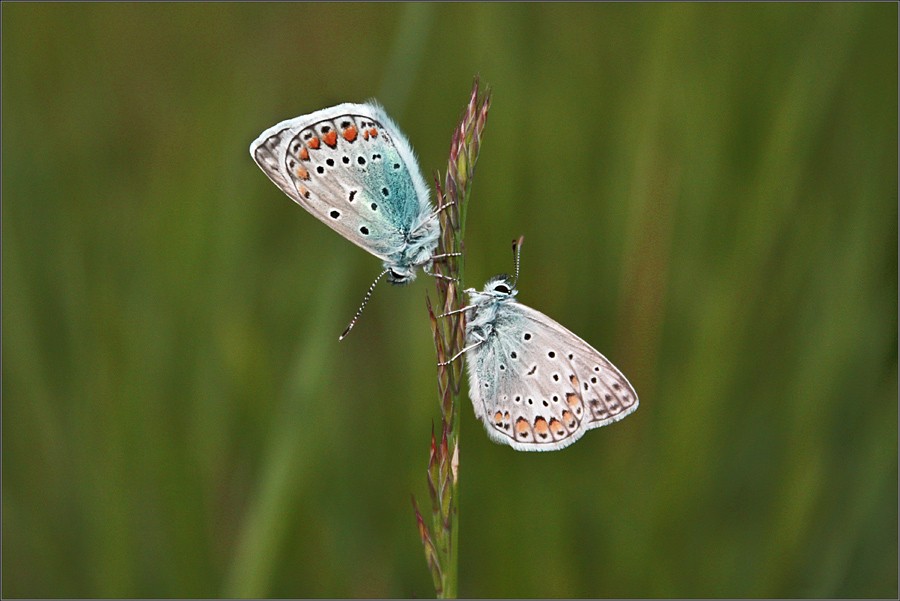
{"type": "Point", "coordinates": [445, 255]}
{"type": "Point", "coordinates": [457, 355]}
{"type": "Point", "coordinates": [451, 312]}
{"type": "Point", "coordinates": [440, 275]}
{"type": "Point", "coordinates": [443, 206]}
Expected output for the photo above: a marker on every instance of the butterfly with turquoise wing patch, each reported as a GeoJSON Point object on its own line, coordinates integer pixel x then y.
{"type": "Point", "coordinates": [351, 167]}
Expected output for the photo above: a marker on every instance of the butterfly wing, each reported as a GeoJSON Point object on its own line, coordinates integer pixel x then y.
{"type": "Point", "coordinates": [539, 387]}
{"type": "Point", "coordinates": [350, 166]}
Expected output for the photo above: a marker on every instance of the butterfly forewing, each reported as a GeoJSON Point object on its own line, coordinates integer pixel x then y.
{"type": "Point", "coordinates": [605, 395]}
{"type": "Point", "coordinates": [373, 199]}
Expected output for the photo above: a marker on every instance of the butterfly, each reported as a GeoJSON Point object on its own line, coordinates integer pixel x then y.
{"type": "Point", "coordinates": [535, 385]}
{"type": "Point", "coordinates": [352, 168]}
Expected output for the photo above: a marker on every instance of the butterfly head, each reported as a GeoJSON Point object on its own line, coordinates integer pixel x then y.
{"type": "Point", "coordinates": [500, 286]}
{"type": "Point", "coordinates": [497, 289]}
{"type": "Point", "coordinates": [399, 275]}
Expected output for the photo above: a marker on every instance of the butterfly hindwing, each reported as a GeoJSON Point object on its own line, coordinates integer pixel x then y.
{"type": "Point", "coordinates": [538, 386]}
{"type": "Point", "coordinates": [349, 166]}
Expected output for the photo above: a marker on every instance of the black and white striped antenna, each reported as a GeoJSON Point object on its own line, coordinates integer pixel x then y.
{"type": "Point", "coordinates": [363, 305]}
{"type": "Point", "coordinates": [517, 250]}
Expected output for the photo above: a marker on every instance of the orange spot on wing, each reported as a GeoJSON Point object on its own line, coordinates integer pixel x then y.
{"type": "Point", "coordinates": [304, 154]}
{"type": "Point", "coordinates": [556, 427]}
{"type": "Point", "coordinates": [302, 173]}
{"type": "Point", "coordinates": [313, 143]}
{"type": "Point", "coordinates": [522, 425]}
{"type": "Point", "coordinates": [540, 426]}
{"type": "Point", "coordinates": [350, 133]}
{"type": "Point", "coordinates": [572, 399]}
{"type": "Point", "coordinates": [373, 132]}
{"type": "Point", "coordinates": [569, 419]}
{"type": "Point", "coordinates": [498, 418]}
{"type": "Point", "coordinates": [303, 191]}
{"type": "Point", "coordinates": [365, 134]}
{"type": "Point", "coordinates": [330, 138]}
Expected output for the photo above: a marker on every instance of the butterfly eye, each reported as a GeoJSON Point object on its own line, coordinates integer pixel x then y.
{"type": "Point", "coordinates": [501, 288]}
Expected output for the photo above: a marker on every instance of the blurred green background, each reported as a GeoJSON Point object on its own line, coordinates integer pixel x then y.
{"type": "Point", "coordinates": [708, 195]}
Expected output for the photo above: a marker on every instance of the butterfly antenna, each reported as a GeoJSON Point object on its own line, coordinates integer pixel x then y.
{"type": "Point", "coordinates": [517, 250]}
{"type": "Point", "coordinates": [363, 305]}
